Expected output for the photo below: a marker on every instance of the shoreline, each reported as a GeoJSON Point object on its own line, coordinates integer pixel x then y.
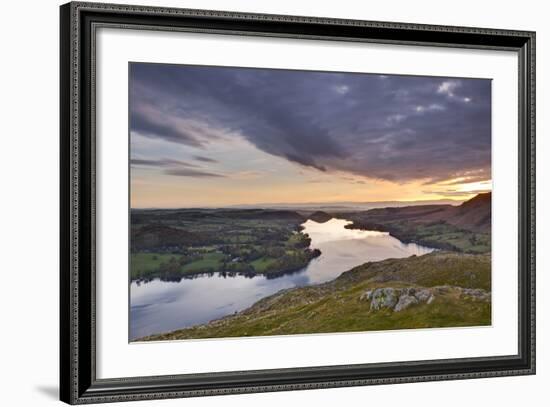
{"type": "Point", "coordinates": [321, 290]}
{"type": "Point", "coordinates": [231, 273]}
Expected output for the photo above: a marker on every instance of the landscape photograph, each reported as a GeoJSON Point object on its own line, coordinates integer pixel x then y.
{"type": "Point", "coordinates": [289, 202]}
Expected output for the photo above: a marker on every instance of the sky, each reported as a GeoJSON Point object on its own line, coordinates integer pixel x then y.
{"type": "Point", "coordinates": [204, 136]}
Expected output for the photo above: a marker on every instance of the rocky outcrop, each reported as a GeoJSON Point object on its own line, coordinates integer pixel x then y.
{"type": "Point", "coordinates": [423, 295]}
{"type": "Point", "coordinates": [399, 299]}
{"type": "Point", "coordinates": [383, 298]}
{"type": "Point", "coordinates": [405, 301]}
{"type": "Point", "coordinates": [476, 294]}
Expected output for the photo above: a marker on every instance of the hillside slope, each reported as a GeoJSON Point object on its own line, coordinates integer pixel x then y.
{"type": "Point", "coordinates": [465, 228]}
{"type": "Point", "coordinates": [435, 290]}
{"type": "Point", "coordinates": [474, 214]}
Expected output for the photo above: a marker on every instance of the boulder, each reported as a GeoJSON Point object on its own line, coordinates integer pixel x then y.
{"type": "Point", "coordinates": [442, 289]}
{"type": "Point", "coordinates": [422, 295]}
{"type": "Point", "coordinates": [476, 294]}
{"type": "Point", "coordinates": [383, 298]}
{"type": "Point", "coordinates": [411, 291]}
{"type": "Point", "coordinates": [405, 301]}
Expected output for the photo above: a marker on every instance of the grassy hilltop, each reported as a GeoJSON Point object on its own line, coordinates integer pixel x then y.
{"type": "Point", "coordinates": [440, 289]}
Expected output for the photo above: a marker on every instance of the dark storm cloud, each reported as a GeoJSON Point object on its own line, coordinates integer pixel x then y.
{"type": "Point", "coordinates": [204, 159]}
{"type": "Point", "coordinates": [186, 172]}
{"type": "Point", "coordinates": [396, 128]}
{"type": "Point", "coordinates": [174, 167]}
{"type": "Point", "coordinates": [153, 123]}
{"type": "Point", "coordinates": [164, 162]}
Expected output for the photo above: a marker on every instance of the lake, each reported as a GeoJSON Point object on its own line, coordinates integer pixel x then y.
{"type": "Point", "coordinates": [160, 306]}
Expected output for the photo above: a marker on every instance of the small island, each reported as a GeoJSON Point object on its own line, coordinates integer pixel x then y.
{"type": "Point", "coordinates": [320, 217]}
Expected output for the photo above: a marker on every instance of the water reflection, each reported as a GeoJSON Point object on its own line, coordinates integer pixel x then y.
{"type": "Point", "coordinates": [160, 306]}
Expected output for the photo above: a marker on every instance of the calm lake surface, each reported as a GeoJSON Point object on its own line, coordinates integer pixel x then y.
{"type": "Point", "coordinates": [159, 306]}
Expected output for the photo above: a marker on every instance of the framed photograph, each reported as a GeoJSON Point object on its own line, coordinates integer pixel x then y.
{"type": "Point", "coordinates": [255, 203]}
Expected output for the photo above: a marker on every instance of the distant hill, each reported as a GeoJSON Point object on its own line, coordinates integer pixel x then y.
{"type": "Point", "coordinates": [173, 230]}
{"type": "Point", "coordinates": [156, 236]}
{"type": "Point", "coordinates": [473, 215]}
{"type": "Point", "coordinates": [344, 206]}
{"type": "Point", "coordinates": [465, 228]}
{"type": "Point", "coordinates": [169, 215]}
{"type": "Point", "coordinates": [320, 217]}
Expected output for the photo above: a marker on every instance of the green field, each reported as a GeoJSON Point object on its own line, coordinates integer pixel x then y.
{"type": "Point", "coordinates": [143, 264]}
{"type": "Point", "coordinates": [438, 235]}
{"type": "Point", "coordinates": [448, 237]}
{"type": "Point", "coordinates": [263, 264]}
{"type": "Point", "coordinates": [210, 262]}
{"type": "Point", "coordinates": [174, 244]}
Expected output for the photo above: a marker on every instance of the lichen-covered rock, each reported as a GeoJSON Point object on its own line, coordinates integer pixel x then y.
{"type": "Point", "coordinates": [423, 294]}
{"type": "Point", "coordinates": [366, 296]}
{"type": "Point", "coordinates": [442, 289]}
{"type": "Point", "coordinates": [405, 301]}
{"type": "Point", "coordinates": [409, 291]}
{"type": "Point", "coordinates": [476, 294]}
{"type": "Point", "coordinates": [384, 298]}
{"type": "Point", "coordinates": [399, 299]}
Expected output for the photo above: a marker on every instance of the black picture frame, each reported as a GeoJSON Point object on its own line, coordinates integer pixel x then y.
{"type": "Point", "coordinates": [78, 381]}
